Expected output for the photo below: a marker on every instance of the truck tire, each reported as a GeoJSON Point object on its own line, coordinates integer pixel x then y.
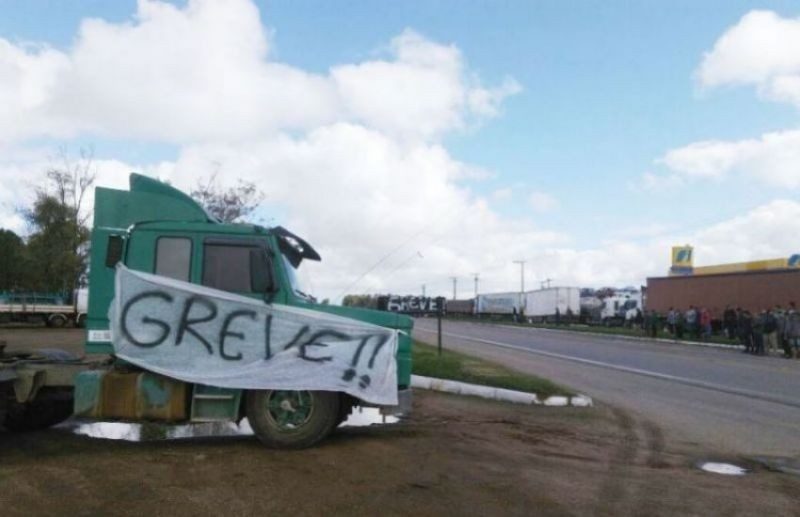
{"type": "Point", "coordinates": [80, 321]}
{"type": "Point", "coordinates": [56, 321]}
{"type": "Point", "coordinates": [50, 407]}
{"type": "Point", "coordinates": [292, 419]}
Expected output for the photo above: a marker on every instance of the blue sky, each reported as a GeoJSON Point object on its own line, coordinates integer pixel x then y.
{"type": "Point", "coordinates": [607, 89]}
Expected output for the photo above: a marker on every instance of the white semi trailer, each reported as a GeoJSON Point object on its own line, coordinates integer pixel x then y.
{"type": "Point", "coordinates": [499, 303]}
{"type": "Point", "coordinates": [545, 304]}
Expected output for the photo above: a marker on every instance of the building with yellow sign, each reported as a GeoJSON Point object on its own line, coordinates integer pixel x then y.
{"type": "Point", "coordinates": [683, 264]}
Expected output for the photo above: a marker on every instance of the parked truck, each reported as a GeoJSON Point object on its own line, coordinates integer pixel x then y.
{"type": "Point", "coordinates": [751, 290]}
{"type": "Point", "coordinates": [621, 308]}
{"type": "Point", "coordinates": [54, 309]}
{"type": "Point", "coordinates": [499, 304]}
{"type": "Point", "coordinates": [154, 228]}
{"type": "Point", "coordinates": [547, 305]}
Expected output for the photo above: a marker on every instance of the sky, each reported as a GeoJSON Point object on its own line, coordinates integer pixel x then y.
{"type": "Point", "coordinates": [413, 142]}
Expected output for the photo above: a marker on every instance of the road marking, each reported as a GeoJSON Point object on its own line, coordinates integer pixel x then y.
{"type": "Point", "coordinates": [628, 369]}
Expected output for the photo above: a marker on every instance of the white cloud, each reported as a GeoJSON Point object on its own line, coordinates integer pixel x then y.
{"type": "Point", "coordinates": [774, 159]}
{"type": "Point", "coordinates": [359, 206]}
{"type": "Point", "coordinates": [542, 202]}
{"type": "Point", "coordinates": [502, 194]}
{"type": "Point", "coordinates": [203, 72]}
{"type": "Point", "coordinates": [654, 182]}
{"type": "Point", "coordinates": [28, 77]}
{"type": "Point", "coordinates": [758, 234]}
{"type": "Point", "coordinates": [351, 159]}
{"type": "Point", "coordinates": [763, 50]}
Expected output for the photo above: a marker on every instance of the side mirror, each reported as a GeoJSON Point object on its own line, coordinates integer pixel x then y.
{"type": "Point", "coordinates": [114, 250]}
{"type": "Point", "coordinates": [260, 272]}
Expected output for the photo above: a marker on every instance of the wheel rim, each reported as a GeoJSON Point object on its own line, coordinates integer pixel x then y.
{"type": "Point", "coordinates": [289, 410]}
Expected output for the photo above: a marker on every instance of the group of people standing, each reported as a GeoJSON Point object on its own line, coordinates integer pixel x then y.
{"type": "Point", "coordinates": [769, 331]}
{"type": "Point", "coordinates": [695, 322]}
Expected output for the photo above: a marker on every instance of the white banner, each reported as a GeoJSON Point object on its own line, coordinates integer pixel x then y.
{"type": "Point", "coordinates": [207, 336]}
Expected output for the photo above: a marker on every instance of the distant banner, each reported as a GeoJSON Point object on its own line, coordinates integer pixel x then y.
{"type": "Point", "coordinates": [206, 336]}
{"type": "Point", "coordinates": [411, 304]}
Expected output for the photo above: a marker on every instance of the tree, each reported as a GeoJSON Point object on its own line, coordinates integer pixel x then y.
{"type": "Point", "coordinates": [58, 247]}
{"type": "Point", "coordinates": [12, 258]}
{"type": "Point", "coordinates": [366, 301]}
{"type": "Point", "coordinates": [233, 204]}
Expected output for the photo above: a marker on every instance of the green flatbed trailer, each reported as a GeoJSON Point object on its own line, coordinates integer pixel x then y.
{"type": "Point", "coordinates": [158, 229]}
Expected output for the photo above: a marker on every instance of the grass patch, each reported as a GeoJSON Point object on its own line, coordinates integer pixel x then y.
{"type": "Point", "coordinates": [610, 331]}
{"type": "Point", "coordinates": [624, 331]}
{"type": "Point", "coordinates": [455, 366]}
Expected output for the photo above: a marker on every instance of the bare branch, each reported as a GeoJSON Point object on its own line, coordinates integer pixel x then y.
{"type": "Point", "coordinates": [232, 204]}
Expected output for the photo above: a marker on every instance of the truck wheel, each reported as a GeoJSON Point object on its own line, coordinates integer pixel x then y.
{"type": "Point", "coordinates": [41, 413]}
{"type": "Point", "coordinates": [292, 419]}
{"type": "Point", "coordinates": [56, 321]}
{"type": "Point", "coordinates": [80, 321]}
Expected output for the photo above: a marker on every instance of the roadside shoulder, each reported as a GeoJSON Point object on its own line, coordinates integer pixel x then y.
{"type": "Point", "coordinates": [622, 336]}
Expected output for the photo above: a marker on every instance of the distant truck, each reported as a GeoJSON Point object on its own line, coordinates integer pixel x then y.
{"type": "Point", "coordinates": [620, 308]}
{"type": "Point", "coordinates": [156, 231]}
{"type": "Point", "coordinates": [460, 307]}
{"type": "Point", "coordinates": [52, 309]}
{"type": "Point", "coordinates": [499, 304]}
{"type": "Point", "coordinates": [543, 304]}
{"type": "Point", "coordinates": [751, 290]}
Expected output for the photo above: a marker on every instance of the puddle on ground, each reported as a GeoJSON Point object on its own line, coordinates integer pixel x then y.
{"type": "Point", "coordinates": [362, 417]}
{"type": "Point", "coordinates": [146, 432]}
{"type": "Point", "coordinates": [726, 469]}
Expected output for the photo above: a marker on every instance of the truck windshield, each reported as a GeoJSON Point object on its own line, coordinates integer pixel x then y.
{"type": "Point", "coordinates": [295, 279]}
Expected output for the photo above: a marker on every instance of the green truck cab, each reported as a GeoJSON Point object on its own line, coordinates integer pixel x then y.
{"type": "Point", "coordinates": [158, 229]}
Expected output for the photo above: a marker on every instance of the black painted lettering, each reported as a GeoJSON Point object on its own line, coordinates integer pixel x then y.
{"type": "Point", "coordinates": [186, 322]}
{"type": "Point", "coordinates": [239, 335]}
{"type": "Point", "coordinates": [381, 341]}
{"type": "Point", "coordinates": [313, 341]}
{"type": "Point", "coordinates": [123, 320]}
{"type": "Point", "coordinates": [268, 337]}
{"type": "Point", "coordinates": [360, 347]}
{"type": "Point", "coordinates": [350, 374]}
{"type": "Point", "coordinates": [297, 337]}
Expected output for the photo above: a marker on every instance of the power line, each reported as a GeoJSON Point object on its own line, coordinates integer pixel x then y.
{"type": "Point", "coordinates": [424, 229]}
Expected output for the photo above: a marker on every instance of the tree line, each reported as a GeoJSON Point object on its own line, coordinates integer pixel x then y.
{"type": "Point", "coordinates": [54, 254]}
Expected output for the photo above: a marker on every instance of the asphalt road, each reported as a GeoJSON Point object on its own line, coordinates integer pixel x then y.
{"type": "Point", "coordinates": [727, 401]}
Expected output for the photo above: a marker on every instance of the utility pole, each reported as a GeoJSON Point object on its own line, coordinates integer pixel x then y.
{"type": "Point", "coordinates": [546, 281]}
{"type": "Point", "coordinates": [521, 279]}
{"type": "Point", "coordinates": [455, 283]}
{"type": "Point", "coordinates": [521, 274]}
{"type": "Point", "coordinates": [423, 290]}
{"type": "Point", "coordinates": [475, 275]}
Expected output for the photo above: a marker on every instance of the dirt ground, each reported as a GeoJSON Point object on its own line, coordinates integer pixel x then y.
{"type": "Point", "coordinates": [454, 455]}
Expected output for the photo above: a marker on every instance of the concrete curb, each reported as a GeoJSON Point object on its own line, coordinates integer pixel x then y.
{"type": "Point", "coordinates": [629, 338]}
{"type": "Point", "coordinates": [488, 392]}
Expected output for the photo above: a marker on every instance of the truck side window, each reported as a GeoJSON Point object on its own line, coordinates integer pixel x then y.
{"type": "Point", "coordinates": [174, 257]}
{"type": "Point", "coordinates": [227, 267]}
